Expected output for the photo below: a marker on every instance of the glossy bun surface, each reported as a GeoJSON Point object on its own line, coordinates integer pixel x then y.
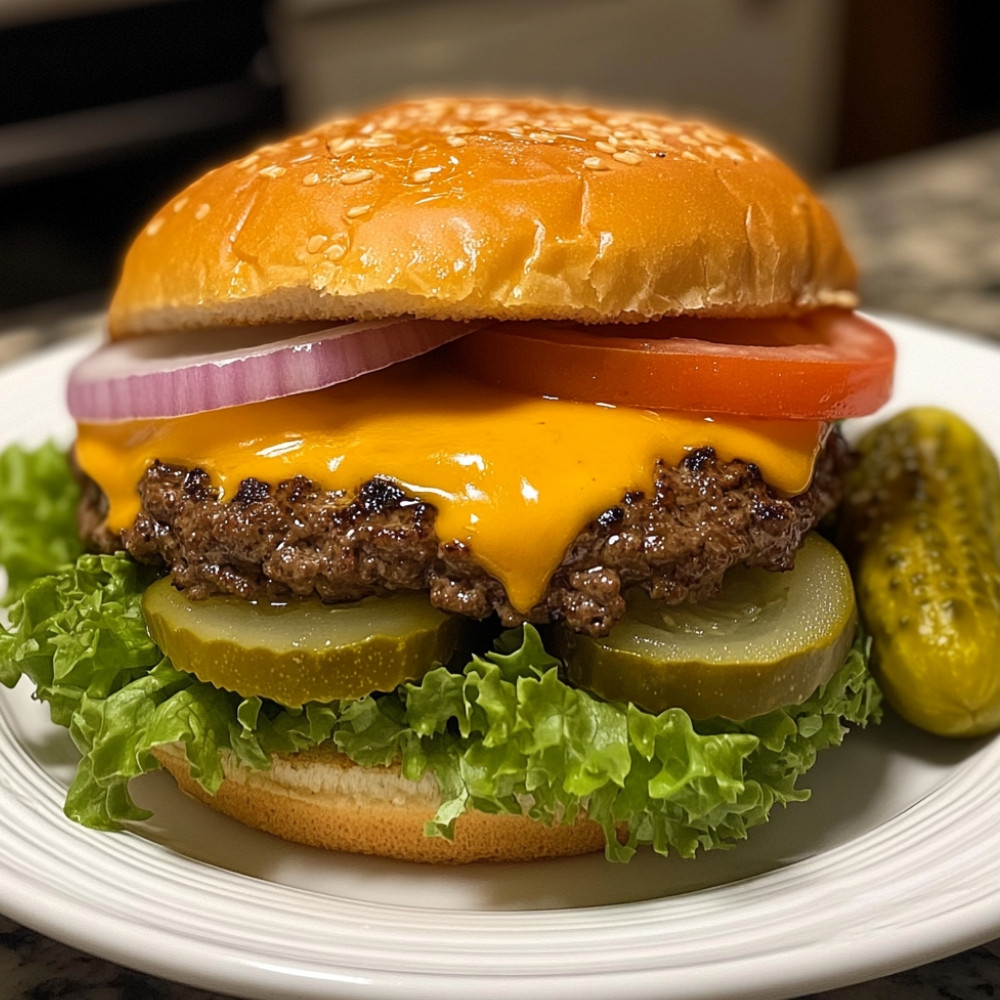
{"type": "Point", "coordinates": [467, 208]}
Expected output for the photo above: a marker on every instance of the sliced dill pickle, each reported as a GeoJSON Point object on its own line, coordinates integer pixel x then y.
{"type": "Point", "coordinates": [766, 641]}
{"type": "Point", "coordinates": [301, 650]}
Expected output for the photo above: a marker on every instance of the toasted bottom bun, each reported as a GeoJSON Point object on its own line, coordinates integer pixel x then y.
{"type": "Point", "coordinates": [321, 798]}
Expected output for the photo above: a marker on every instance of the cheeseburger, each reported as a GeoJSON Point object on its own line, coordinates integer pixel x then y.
{"type": "Point", "coordinates": [463, 460]}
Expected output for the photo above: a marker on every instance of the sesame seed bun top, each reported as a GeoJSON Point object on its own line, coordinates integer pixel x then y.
{"type": "Point", "coordinates": [471, 208]}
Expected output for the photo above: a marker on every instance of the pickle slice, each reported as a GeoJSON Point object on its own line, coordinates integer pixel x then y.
{"type": "Point", "coordinates": [767, 640]}
{"type": "Point", "coordinates": [301, 650]}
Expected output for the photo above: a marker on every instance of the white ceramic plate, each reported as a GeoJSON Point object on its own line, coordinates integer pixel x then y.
{"type": "Point", "coordinates": [894, 862]}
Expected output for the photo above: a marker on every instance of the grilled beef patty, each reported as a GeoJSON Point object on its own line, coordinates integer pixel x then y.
{"type": "Point", "coordinates": [702, 517]}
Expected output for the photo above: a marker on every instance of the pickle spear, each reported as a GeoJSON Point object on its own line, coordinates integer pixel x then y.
{"type": "Point", "coordinates": [921, 528]}
{"type": "Point", "coordinates": [301, 650]}
{"type": "Point", "coordinates": [766, 641]}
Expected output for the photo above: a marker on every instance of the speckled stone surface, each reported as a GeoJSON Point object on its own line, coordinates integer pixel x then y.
{"type": "Point", "coordinates": [926, 233]}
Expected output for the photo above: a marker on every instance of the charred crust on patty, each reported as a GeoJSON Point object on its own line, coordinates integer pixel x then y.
{"type": "Point", "coordinates": [252, 491]}
{"type": "Point", "coordinates": [381, 494]}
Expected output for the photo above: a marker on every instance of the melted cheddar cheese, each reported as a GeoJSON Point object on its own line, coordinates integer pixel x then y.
{"type": "Point", "coordinates": [514, 478]}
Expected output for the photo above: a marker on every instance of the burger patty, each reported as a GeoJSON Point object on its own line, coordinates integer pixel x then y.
{"type": "Point", "coordinates": [702, 517]}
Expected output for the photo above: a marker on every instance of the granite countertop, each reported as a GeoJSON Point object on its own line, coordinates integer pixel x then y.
{"type": "Point", "coordinates": [926, 232]}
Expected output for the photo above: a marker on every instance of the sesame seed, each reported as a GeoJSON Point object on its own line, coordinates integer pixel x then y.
{"type": "Point", "coordinates": [316, 243]}
{"type": "Point", "coordinates": [335, 252]}
{"type": "Point", "coordinates": [627, 156]}
{"type": "Point", "coordinates": [456, 141]}
{"type": "Point", "coordinates": [357, 176]}
{"type": "Point", "coordinates": [309, 141]}
{"type": "Point", "coordinates": [708, 135]}
{"type": "Point", "coordinates": [203, 210]}
{"type": "Point", "coordinates": [358, 210]}
{"type": "Point", "coordinates": [605, 147]}
{"type": "Point", "coordinates": [379, 139]}
{"type": "Point", "coordinates": [179, 204]}
{"type": "Point", "coordinates": [248, 161]}
{"type": "Point", "coordinates": [310, 180]}
{"type": "Point", "coordinates": [545, 137]}
{"type": "Point", "coordinates": [423, 175]}
{"type": "Point", "coordinates": [595, 163]}
{"type": "Point", "coordinates": [272, 171]}
{"type": "Point", "coordinates": [154, 227]}
{"type": "Point", "coordinates": [688, 155]}
{"type": "Point", "coordinates": [341, 145]}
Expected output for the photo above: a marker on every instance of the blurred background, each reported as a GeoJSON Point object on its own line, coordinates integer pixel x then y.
{"type": "Point", "coordinates": [108, 106]}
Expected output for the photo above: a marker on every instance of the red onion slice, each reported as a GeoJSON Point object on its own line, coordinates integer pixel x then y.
{"type": "Point", "coordinates": [172, 374]}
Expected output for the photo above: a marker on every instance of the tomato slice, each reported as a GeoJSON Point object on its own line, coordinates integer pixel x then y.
{"type": "Point", "coordinates": [824, 365]}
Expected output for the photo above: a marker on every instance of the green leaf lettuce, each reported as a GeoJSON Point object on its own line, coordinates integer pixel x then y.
{"type": "Point", "coordinates": [38, 500]}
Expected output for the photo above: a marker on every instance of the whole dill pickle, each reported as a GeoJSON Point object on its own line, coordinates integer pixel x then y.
{"type": "Point", "coordinates": [921, 531]}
